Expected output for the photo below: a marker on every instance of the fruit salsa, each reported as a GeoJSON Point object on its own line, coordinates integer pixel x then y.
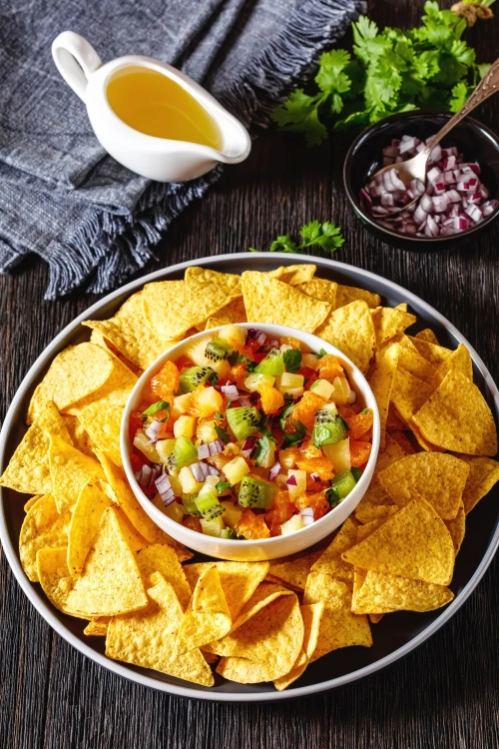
{"type": "Point", "coordinates": [247, 437]}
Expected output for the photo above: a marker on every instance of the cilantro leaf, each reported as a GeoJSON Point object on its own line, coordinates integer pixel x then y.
{"type": "Point", "coordinates": [460, 94]}
{"type": "Point", "coordinates": [221, 433]}
{"type": "Point", "coordinates": [262, 449]}
{"type": "Point", "coordinates": [158, 406]}
{"type": "Point", "coordinates": [292, 359]}
{"type": "Point", "coordinates": [222, 486]}
{"type": "Point", "coordinates": [326, 235]}
{"type": "Point", "coordinates": [296, 437]}
{"type": "Point", "coordinates": [284, 415]}
{"type": "Point", "coordinates": [283, 243]}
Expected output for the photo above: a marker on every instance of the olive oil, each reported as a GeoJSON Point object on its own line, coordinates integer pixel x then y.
{"type": "Point", "coordinates": [154, 104]}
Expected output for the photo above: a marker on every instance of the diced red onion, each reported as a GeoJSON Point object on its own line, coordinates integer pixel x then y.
{"type": "Point", "coordinates": [230, 391]}
{"type": "Point", "coordinates": [291, 481]}
{"type": "Point", "coordinates": [258, 335]}
{"type": "Point", "coordinates": [315, 476]}
{"type": "Point", "coordinates": [165, 489]}
{"type": "Point", "coordinates": [435, 154]}
{"type": "Point", "coordinates": [207, 449]}
{"type": "Point", "coordinates": [489, 207]}
{"type": "Point", "coordinates": [391, 151]}
{"type": "Point", "coordinates": [473, 166]}
{"type": "Point", "coordinates": [148, 474]}
{"type": "Point", "coordinates": [307, 515]}
{"type": "Point", "coordinates": [153, 430]}
{"type": "Point", "coordinates": [248, 447]}
{"type": "Point", "coordinates": [274, 471]}
{"type": "Point", "coordinates": [201, 470]}
{"type": "Point", "coordinates": [474, 213]}
{"type": "Point", "coordinates": [431, 228]}
{"type": "Point", "coordinates": [440, 203]}
{"type": "Point", "coordinates": [433, 174]}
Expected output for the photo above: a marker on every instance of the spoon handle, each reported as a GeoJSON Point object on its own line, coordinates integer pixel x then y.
{"type": "Point", "coordinates": [488, 85]}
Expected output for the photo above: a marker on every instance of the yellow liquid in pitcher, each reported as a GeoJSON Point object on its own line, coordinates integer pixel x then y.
{"type": "Point", "coordinates": [153, 104]}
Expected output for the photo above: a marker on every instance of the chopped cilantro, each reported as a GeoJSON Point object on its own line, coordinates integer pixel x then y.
{"type": "Point", "coordinates": [219, 416]}
{"type": "Point", "coordinates": [158, 406]}
{"type": "Point", "coordinates": [325, 235]}
{"type": "Point", "coordinates": [292, 359]}
{"type": "Point", "coordinates": [222, 434]}
{"type": "Point", "coordinates": [322, 352]}
{"type": "Point", "coordinates": [332, 496]}
{"type": "Point", "coordinates": [296, 437]}
{"type": "Point", "coordinates": [284, 415]}
{"type": "Point", "coordinates": [222, 486]}
{"type": "Point", "coordinates": [262, 449]}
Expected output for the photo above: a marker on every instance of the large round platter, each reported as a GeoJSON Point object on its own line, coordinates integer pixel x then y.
{"type": "Point", "coordinates": [396, 635]}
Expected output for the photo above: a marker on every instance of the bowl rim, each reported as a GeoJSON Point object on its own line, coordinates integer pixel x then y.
{"type": "Point", "coordinates": [368, 219]}
{"type": "Point", "coordinates": [195, 692]}
{"type": "Point", "coordinates": [352, 500]}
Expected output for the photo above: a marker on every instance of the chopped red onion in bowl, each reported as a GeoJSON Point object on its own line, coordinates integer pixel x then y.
{"type": "Point", "coordinates": [207, 449]}
{"type": "Point", "coordinates": [453, 200]}
{"type": "Point", "coordinates": [165, 489]}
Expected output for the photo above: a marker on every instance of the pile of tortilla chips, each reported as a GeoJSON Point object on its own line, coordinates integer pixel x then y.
{"type": "Point", "coordinates": [99, 557]}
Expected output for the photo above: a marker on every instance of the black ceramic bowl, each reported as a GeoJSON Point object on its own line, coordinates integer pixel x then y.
{"type": "Point", "coordinates": [475, 141]}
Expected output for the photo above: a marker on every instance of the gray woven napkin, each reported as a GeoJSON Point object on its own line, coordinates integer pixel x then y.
{"type": "Point", "coordinates": [61, 196]}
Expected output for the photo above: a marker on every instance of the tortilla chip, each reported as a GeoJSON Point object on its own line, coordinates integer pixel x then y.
{"type": "Point", "coordinates": [381, 382]}
{"type": "Point", "coordinates": [70, 470]}
{"type": "Point", "coordinates": [43, 528]}
{"type": "Point", "coordinates": [351, 329]}
{"type": "Point", "coordinates": [294, 275]}
{"type": "Point", "coordinates": [147, 638]}
{"type": "Point", "coordinates": [347, 294]}
{"type": "Point", "coordinates": [311, 614]}
{"type": "Point", "coordinates": [85, 521]}
{"type": "Point", "coordinates": [413, 362]}
{"type": "Point", "coordinates": [484, 473]}
{"type": "Point", "coordinates": [79, 436]}
{"type": "Point", "coordinates": [54, 577]}
{"type": "Point", "coordinates": [375, 618]}
{"type": "Point", "coordinates": [382, 592]}
{"type": "Point", "coordinates": [427, 335]}
{"type": "Point", "coordinates": [239, 580]}
{"type": "Point", "coordinates": [233, 312]}
{"type": "Point", "coordinates": [375, 512]}
{"type": "Point", "coordinates": [268, 300]}
{"type": "Point", "coordinates": [162, 558]}
{"type": "Point", "coordinates": [129, 332]}
{"type": "Point", "coordinates": [171, 308]}
{"type": "Point", "coordinates": [32, 501]}
{"type": "Point", "coordinates": [115, 391]}
{"type": "Point", "coordinates": [111, 583]}
{"type": "Point", "coordinates": [97, 627]}
{"type": "Point", "coordinates": [320, 288]}
{"type": "Point", "coordinates": [457, 528]}
{"type": "Point", "coordinates": [330, 561]}
{"type": "Point", "coordinates": [263, 595]}
{"type": "Point", "coordinates": [269, 643]}
{"type": "Point", "coordinates": [394, 423]}
{"type": "Point", "coordinates": [207, 616]}
{"type": "Point", "coordinates": [413, 542]}
{"type": "Point", "coordinates": [403, 438]}
{"type": "Point", "coordinates": [409, 393]}
{"type": "Point", "coordinates": [102, 422]}
{"type": "Point", "coordinates": [135, 541]}
{"type": "Point", "coordinates": [437, 477]}
{"type": "Point", "coordinates": [459, 361]}
{"type": "Point", "coordinates": [74, 374]}
{"type": "Point", "coordinates": [433, 353]}
{"type": "Point", "coordinates": [390, 322]}
{"type": "Point", "coordinates": [457, 418]}
{"type": "Point", "coordinates": [365, 530]}
{"type": "Point", "coordinates": [375, 494]}
{"type": "Point", "coordinates": [229, 283]}
{"type": "Point", "coordinates": [292, 571]}
{"type": "Point", "coordinates": [28, 470]}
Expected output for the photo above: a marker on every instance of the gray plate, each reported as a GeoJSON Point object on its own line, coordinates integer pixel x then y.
{"type": "Point", "coordinates": [396, 635]}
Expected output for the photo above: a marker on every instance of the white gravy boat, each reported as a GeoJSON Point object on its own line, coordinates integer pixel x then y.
{"type": "Point", "coordinates": [156, 158]}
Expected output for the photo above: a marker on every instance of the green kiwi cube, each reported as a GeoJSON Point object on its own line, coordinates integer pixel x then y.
{"type": "Point", "coordinates": [243, 421]}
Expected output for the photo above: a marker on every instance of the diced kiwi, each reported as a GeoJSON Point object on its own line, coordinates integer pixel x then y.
{"type": "Point", "coordinates": [218, 349]}
{"type": "Point", "coordinates": [209, 506]}
{"type": "Point", "coordinates": [255, 493]}
{"type": "Point", "coordinates": [183, 453]}
{"type": "Point", "coordinates": [329, 427]}
{"type": "Point", "coordinates": [343, 483]}
{"type": "Point", "coordinates": [194, 376]}
{"type": "Point", "coordinates": [243, 421]}
{"type": "Point", "coordinates": [273, 364]}
{"type": "Point", "coordinates": [190, 506]}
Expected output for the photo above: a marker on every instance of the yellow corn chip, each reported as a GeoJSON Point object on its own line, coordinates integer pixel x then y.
{"type": "Point", "coordinates": [129, 332]}
{"type": "Point", "coordinates": [269, 643]}
{"type": "Point", "coordinates": [147, 638]}
{"type": "Point", "coordinates": [320, 288]}
{"type": "Point", "coordinates": [459, 361]}
{"type": "Point", "coordinates": [457, 417]}
{"type": "Point", "coordinates": [437, 477]}
{"type": "Point", "coordinates": [239, 580]}
{"type": "Point", "coordinates": [111, 583]}
{"type": "Point", "coordinates": [115, 391]}
{"type": "Point", "coordinates": [390, 322]}
{"type": "Point", "coordinates": [102, 422]}
{"type": "Point", "coordinates": [162, 558]}
{"type": "Point", "coordinates": [263, 595]}
{"type": "Point", "coordinates": [97, 627]}
{"type": "Point", "coordinates": [363, 531]}
{"type": "Point", "coordinates": [74, 374]}
{"type": "Point", "coordinates": [351, 329]}
{"type": "Point", "coordinates": [233, 312]}
{"type": "Point", "coordinates": [427, 335]}
{"type": "Point", "coordinates": [171, 308]}
{"type": "Point", "coordinates": [484, 473]}
{"type": "Point", "coordinates": [394, 423]}
{"type": "Point", "coordinates": [413, 362]}
{"type": "Point", "coordinates": [330, 561]}
{"type": "Point", "coordinates": [293, 570]}
{"type": "Point", "coordinates": [409, 393]}
{"type": "Point", "coordinates": [29, 504]}
{"type": "Point", "coordinates": [42, 528]}
{"type": "Point", "coordinates": [28, 470]}
{"type": "Point", "coordinates": [54, 577]}
{"type": "Point", "coordinates": [381, 382]}
{"type": "Point", "coordinates": [311, 614]}
{"type": "Point", "coordinates": [294, 275]}
{"type": "Point", "coordinates": [375, 618]}
{"type": "Point", "coordinates": [375, 512]}
{"type": "Point", "coordinates": [86, 517]}
{"type": "Point", "coordinates": [432, 352]}
{"type": "Point", "coordinates": [375, 494]}
{"type": "Point", "coordinates": [348, 294]}
{"type": "Point", "coordinates": [457, 527]}
{"type": "Point", "coordinates": [79, 437]}
{"type": "Point", "coordinates": [228, 283]}
{"type": "Point", "coordinates": [413, 542]}
{"type": "Point", "coordinates": [268, 300]}
{"type": "Point", "coordinates": [70, 470]}
{"type": "Point", "coordinates": [402, 437]}
{"type": "Point", "coordinates": [207, 616]}
{"type": "Point", "coordinates": [381, 592]}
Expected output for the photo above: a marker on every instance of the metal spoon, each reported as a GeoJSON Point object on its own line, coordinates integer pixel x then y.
{"type": "Point", "coordinates": [415, 168]}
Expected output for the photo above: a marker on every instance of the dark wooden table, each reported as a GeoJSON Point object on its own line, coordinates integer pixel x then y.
{"type": "Point", "coordinates": [445, 694]}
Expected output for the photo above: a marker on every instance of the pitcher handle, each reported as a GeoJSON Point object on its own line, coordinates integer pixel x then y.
{"type": "Point", "coordinates": [75, 59]}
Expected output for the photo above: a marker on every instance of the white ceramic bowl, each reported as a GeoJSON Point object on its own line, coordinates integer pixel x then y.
{"type": "Point", "coordinates": [268, 548]}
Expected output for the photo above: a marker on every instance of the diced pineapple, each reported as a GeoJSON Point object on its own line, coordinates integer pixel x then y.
{"type": "Point", "coordinates": [209, 401]}
{"type": "Point", "coordinates": [207, 487]}
{"type": "Point", "coordinates": [196, 353]}
{"type": "Point", "coordinates": [212, 527]}
{"type": "Point", "coordinates": [236, 470]}
{"type": "Point", "coordinates": [300, 488]}
{"type": "Point", "coordinates": [255, 382]}
{"type": "Point", "coordinates": [287, 458]}
{"type": "Point", "coordinates": [233, 332]}
{"type": "Point", "coordinates": [184, 426]}
{"type": "Point", "coordinates": [211, 481]}
{"type": "Point", "coordinates": [322, 388]}
{"type": "Point", "coordinates": [206, 432]}
{"type": "Point", "coordinates": [341, 390]}
{"type": "Point", "coordinates": [309, 360]}
{"type": "Point", "coordinates": [176, 485]}
{"type": "Point", "coordinates": [294, 523]}
{"type": "Point", "coordinates": [164, 449]}
{"type": "Point", "coordinates": [181, 405]}
{"type": "Point", "coordinates": [232, 513]}
{"type": "Point", "coordinates": [288, 380]}
{"type": "Point", "coordinates": [142, 443]}
{"type": "Point", "coordinates": [188, 482]}
{"type": "Point", "coordinates": [338, 455]}
{"type": "Point", "coordinates": [174, 510]}
{"type": "Point", "coordinates": [269, 459]}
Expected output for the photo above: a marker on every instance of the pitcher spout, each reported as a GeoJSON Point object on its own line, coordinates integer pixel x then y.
{"type": "Point", "coordinates": [236, 142]}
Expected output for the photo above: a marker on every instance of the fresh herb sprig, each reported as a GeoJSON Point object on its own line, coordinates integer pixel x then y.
{"type": "Point", "coordinates": [391, 70]}
{"type": "Point", "coordinates": [325, 235]}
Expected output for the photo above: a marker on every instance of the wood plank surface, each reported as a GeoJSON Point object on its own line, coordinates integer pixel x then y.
{"type": "Point", "coordinates": [446, 693]}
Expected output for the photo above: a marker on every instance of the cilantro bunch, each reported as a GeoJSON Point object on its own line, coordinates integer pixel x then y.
{"type": "Point", "coordinates": [429, 67]}
{"type": "Point", "coordinates": [325, 235]}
